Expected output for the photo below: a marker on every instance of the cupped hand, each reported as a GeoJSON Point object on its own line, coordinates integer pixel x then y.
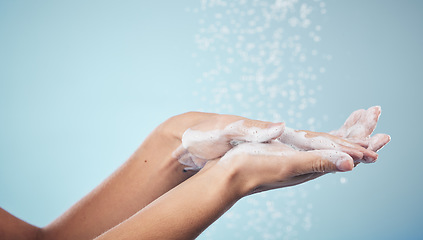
{"type": "Point", "coordinates": [265, 166]}
{"type": "Point", "coordinates": [206, 136]}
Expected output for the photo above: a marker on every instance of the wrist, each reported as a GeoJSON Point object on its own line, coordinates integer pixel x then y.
{"type": "Point", "coordinates": [239, 180]}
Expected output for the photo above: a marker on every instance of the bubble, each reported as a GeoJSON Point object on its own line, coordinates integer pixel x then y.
{"type": "Point", "coordinates": [293, 22]}
{"type": "Point", "coordinates": [316, 38]}
{"type": "Point", "coordinates": [343, 180]}
{"type": "Point", "coordinates": [262, 60]}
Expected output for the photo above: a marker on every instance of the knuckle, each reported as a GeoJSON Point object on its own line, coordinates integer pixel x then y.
{"type": "Point", "coordinates": [319, 165]}
{"type": "Point", "coordinates": [254, 123]}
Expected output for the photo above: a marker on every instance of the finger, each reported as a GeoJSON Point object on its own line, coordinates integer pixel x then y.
{"type": "Point", "coordinates": [369, 156]}
{"type": "Point", "coordinates": [354, 118]}
{"type": "Point", "coordinates": [323, 161]}
{"type": "Point", "coordinates": [353, 152]}
{"type": "Point", "coordinates": [192, 162]}
{"type": "Point", "coordinates": [306, 140]}
{"type": "Point", "coordinates": [186, 160]}
{"type": "Point", "coordinates": [205, 144]}
{"type": "Point", "coordinates": [374, 114]}
{"type": "Point", "coordinates": [363, 142]}
{"type": "Point", "coordinates": [184, 157]}
{"type": "Point", "coordinates": [366, 155]}
{"type": "Point", "coordinates": [180, 151]}
{"type": "Point", "coordinates": [366, 123]}
{"type": "Point", "coordinates": [199, 162]}
{"type": "Point", "coordinates": [378, 141]}
{"type": "Point", "coordinates": [254, 131]}
{"type": "Point", "coordinates": [215, 143]}
{"type": "Point", "coordinates": [350, 122]}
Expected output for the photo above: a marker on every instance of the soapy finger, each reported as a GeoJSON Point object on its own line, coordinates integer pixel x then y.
{"type": "Point", "coordinates": [343, 131]}
{"type": "Point", "coordinates": [255, 131]}
{"type": "Point", "coordinates": [323, 161]}
{"type": "Point", "coordinates": [378, 141]}
{"type": "Point", "coordinates": [366, 155]}
{"type": "Point", "coordinates": [362, 142]}
{"type": "Point", "coordinates": [366, 123]}
{"type": "Point", "coordinates": [354, 153]}
{"type": "Point", "coordinates": [215, 143]}
{"type": "Point", "coordinates": [192, 162]}
{"type": "Point", "coordinates": [359, 125]}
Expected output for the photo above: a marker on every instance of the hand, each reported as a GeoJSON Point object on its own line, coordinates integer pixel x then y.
{"type": "Point", "coordinates": [355, 131]}
{"type": "Point", "coordinates": [210, 136]}
{"type": "Point", "coordinates": [359, 126]}
{"type": "Point", "coordinates": [265, 166]}
{"type": "Point", "coordinates": [307, 140]}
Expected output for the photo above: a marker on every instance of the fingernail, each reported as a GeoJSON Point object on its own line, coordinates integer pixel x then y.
{"type": "Point", "coordinates": [375, 107]}
{"type": "Point", "coordinates": [367, 159]}
{"type": "Point", "coordinates": [342, 161]}
{"type": "Point", "coordinates": [344, 165]}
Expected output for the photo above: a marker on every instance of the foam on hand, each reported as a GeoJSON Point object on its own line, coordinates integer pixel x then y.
{"type": "Point", "coordinates": [307, 141]}
{"type": "Point", "coordinates": [215, 143]}
{"type": "Point", "coordinates": [360, 124]}
{"type": "Point", "coordinates": [200, 146]}
{"type": "Point", "coordinates": [298, 140]}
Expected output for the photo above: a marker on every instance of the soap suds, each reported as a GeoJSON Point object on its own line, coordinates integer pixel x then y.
{"type": "Point", "coordinates": [262, 60]}
{"type": "Point", "coordinates": [359, 126]}
{"type": "Point", "coordinates": [361, 123]}
{"type": "Point", "coordinates": [298, 140]}
{"type": "Point", "coordinates": [200, 146]}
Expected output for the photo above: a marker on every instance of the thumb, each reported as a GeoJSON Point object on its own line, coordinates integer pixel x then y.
{"type": "Point", "coordinates": [323, 161]}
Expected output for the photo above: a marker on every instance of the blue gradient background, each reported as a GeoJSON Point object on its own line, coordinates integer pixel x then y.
{"type": "Point", "coordinates": [82, 83]}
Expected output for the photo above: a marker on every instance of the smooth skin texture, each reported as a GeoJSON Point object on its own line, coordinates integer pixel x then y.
{"type": "Point", "coordinates": [197, 203]}
{"type": "Point", "coordinates": [151, 196]}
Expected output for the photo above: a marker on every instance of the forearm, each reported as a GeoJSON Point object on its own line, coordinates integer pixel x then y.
{"type": "Point", "coordinates": [150, 172]}
{"type": "Point", "coordinates": [185, 211]}
{"type": "Point", "coordinates": [12, 227]}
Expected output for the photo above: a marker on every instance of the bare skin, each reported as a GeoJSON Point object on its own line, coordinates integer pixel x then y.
{"type": "Point", "coordinates": [353, 138]}
{"type": "Point", "coordinates": [146, 193]}
{"type": "Point", "coordinates": [236, 175]}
